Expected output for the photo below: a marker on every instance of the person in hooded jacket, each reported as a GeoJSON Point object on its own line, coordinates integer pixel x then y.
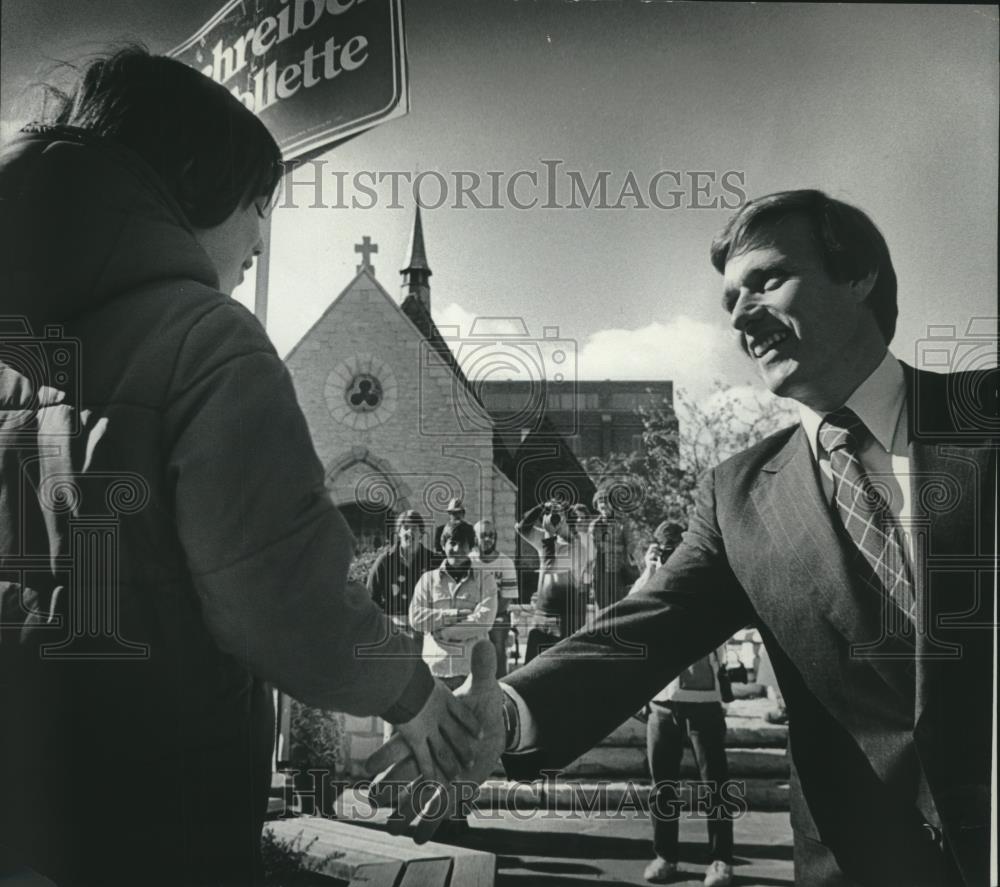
{"type": "Point", "coordinates": [167, 544]}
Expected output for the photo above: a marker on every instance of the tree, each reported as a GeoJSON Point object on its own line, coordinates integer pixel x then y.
{"type": "Point", "coordinates": [678, 445]}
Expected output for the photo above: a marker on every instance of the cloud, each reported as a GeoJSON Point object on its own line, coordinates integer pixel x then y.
{"type": "Point", "coordinates": [455, 319]}
{"type": "Point", "coordinates": [689, 352]}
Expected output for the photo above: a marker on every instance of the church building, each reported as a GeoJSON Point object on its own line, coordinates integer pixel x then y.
{"type": "Point", "coordinates": [394, 420]}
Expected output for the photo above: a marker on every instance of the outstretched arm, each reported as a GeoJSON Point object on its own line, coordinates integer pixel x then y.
{"type": "Point", "coordinates": [267, 550]}
{"type": "Point", "coordinates": [570, 697]}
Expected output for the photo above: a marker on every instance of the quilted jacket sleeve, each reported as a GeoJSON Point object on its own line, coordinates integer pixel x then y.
{"type": "Point", "coordinates": [268, 551]}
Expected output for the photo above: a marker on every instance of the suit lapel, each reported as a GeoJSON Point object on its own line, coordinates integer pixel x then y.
{"type": "Point", "coordinates": [791, 505]}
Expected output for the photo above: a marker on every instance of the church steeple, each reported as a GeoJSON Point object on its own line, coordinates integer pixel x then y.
{"type": "Point", "coordinates": [417, 272]}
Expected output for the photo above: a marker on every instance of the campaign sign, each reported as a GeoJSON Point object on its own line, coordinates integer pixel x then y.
{"type": "Point", "coordinates": [315, 71]}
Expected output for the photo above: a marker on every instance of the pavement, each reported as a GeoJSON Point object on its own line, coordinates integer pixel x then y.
{"type": "Point", "coordinates": [556, 852]}
{"type": "Point", "coordinates": [559, 848]}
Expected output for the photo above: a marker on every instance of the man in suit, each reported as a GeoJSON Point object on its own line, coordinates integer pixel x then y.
{"type": "Point", "coordinates": [859, 542]}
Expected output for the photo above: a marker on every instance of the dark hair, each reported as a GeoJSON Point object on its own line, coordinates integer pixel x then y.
{"type": "Point", "coordinates": [850, 244]}
{"type": "Point", "coordinates": [212, 152]}
{"type": "Point", "coordinates": [460, 531]}
{"type": "Point", "coordinates": [668, 534]}
{"type": "Point", "coordinates": [410, 517]}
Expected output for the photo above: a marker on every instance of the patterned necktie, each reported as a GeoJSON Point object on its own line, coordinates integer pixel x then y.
{"type": "Point", "coordinates": [864, 511]}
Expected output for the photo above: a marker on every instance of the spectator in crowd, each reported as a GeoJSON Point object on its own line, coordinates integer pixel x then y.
{"type": "Point", "coordinates": [454, 606]}
{"type": "Point", "coordinates": [565, 562]}
{"type": "Point", "coordinates": [505, 578]}
{"type": "Point", "coordinates": [397, 569]}
{"type": "Point", "coordinates": [688, 711]}
{"type": "Point", "coordinates": [139, 752]}
{"type": "Point", "coordinates": [614, 568]}
{"type": "Point", "coordinates": [456, 512]}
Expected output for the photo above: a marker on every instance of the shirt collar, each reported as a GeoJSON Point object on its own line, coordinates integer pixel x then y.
{"type": "Point", "coordinates": [443, 570]}
{"type": "Point", "coordinates": [878, 402]}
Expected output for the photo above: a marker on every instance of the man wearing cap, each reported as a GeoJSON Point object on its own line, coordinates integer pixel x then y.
{"type": "Point", "coordinates": [397, 569]}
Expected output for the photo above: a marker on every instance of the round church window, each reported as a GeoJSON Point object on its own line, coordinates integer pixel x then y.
{"type": "Point", "coordinates": [364, 394]}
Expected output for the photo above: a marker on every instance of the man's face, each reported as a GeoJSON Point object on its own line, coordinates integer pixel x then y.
{"type": "Point", "coordinates": [487, 539]}
{"type": "Point", "coordinates": [604, 508]}
{"type": "Point", "coordinates": [799, 327]}
{"type": "Point", "coordinates": [456, 552]}
{"type": "Point", "coordinates": [409, 535]}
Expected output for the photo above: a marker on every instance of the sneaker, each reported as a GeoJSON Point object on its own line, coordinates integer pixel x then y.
{"type": "Point", "coordinates": [719, 874]}
{"type": "Point", "coordinates": [659, 871]}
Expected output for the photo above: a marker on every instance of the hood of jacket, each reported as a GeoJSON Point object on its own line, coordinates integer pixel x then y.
{"type": "Point", "coordinates": [84, 221]}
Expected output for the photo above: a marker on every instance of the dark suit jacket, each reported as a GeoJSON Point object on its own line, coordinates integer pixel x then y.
{"type": "Point", "coordinates": [870, 737]}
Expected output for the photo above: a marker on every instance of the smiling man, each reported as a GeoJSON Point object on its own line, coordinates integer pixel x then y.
{"type": "Point", "coordinates": [810, 288]}
{"type": "Point", "coordinates": [859, 542]}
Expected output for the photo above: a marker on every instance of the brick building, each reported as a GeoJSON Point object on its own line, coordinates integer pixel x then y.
{"type": "Point", "coordinates": [594, 418]}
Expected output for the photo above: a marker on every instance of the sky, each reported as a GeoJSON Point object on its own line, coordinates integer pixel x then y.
{"type": "Point", "coordinates": [890, 107]}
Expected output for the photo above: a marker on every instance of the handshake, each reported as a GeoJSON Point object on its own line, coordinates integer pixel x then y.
{"type": "Point", "coordinates": [455, 739]}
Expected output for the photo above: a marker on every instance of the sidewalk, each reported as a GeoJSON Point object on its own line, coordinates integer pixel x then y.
{"type": "Point", "coordinates": [546, 848]}
{"type": "Point", "coordinates": [558, 853]}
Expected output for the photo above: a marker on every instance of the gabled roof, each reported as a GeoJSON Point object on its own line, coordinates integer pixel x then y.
{"type": "Point", "coordinates": [369, 276]}
{"type": "Point", "coordinates": [414, 309]}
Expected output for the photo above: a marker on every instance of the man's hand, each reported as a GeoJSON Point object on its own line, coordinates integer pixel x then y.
{"type": "Point", "coordinates": [653, 558]}
{"type": "Point", "coordinates": [442, 738]}
{"type": "Point", "coordinates": [422, 798]}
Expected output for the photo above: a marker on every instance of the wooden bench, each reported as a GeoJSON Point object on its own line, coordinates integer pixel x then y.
{"type": "Point", "coordinates": [362, 856]}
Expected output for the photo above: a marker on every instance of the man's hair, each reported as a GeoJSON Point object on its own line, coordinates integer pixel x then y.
{"type": "Point", "coordinates": [461, 531]}
{"type": "Point", "coordinates": [848, 241]}
{"type": "Point", "coordinates": [668, 534]}
{"type": "Point", "coordinates": [410, 517]}
{"type": "Point", "coordinates": [212, 152]}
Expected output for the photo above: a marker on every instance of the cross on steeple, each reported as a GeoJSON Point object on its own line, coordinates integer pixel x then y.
{"type": "Point", "coordinates": [366, 248]}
